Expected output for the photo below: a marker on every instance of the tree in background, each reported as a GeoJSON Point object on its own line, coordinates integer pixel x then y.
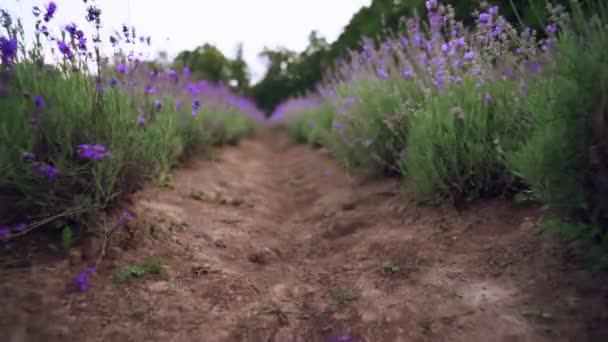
{"type": "Point", "coordinates": [205, 62]}
{"type": "Point", "coordinates": [239, 72]}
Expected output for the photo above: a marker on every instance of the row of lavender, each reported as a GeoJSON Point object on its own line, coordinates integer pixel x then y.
{"type": "Point", "coordinates": [464, 113]}
{"type": "Point", "coordinates": [78, 134]}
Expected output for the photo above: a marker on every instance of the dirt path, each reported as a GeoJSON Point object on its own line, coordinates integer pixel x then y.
{"type": "Point", "coordinates": [272, 242]}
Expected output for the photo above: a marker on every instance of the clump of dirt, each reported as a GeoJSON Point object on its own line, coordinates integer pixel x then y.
{"type": "Point", "coordinates": [273, 242]}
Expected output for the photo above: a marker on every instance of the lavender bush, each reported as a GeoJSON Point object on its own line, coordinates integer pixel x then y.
{"type": "Point", "coordinates": [80, 133]}
{"type": "Point", "coordinates": [469, 112]}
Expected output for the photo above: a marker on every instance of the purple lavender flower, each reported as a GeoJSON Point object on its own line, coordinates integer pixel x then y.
{"type": "Point", "coordinates": [408, 73]}
{"type": "Point", "coordinates": [8, 50]}
{"type": "Point", "coordinates": [551, 28]}
{"type": "Point", "coordinates": [349, 100]}
{"type": "Point", "coordinates": [46, 170]}
{"type": "Point", "coordinates": [367, 142]}
{"type": "Point", "coordinates": [158, 105]}
{"type": "Point", "coordinates": [178, 105]}
{"type": "Point", "coordinates": [382, 73]}
{"type": "Point", "coordinates": [4, 233]}
{"type": "Point", "coordinates": [82, 44]}
{"type": "Point", "coordinates": [192, 89]}
{"type": "Point", "coordinates": [93, 14]}
{"type": "Point", "coordinates": [92, 152]}
{"type": "Point", "coordinates": [51, 8]}
{"type": "Point", "coordinates": [535, 68]}
{"type": "Point", "coordinates": [39, 101]}
{"type": "Point", "coordinates": [469, 55]}
{"type": "Point", "coordinates": [121, 68]}
{"type": "Point", "coordinates": [124, 219]}
{"type": "Point", "coordinates": [142, 120]}
{"type": "Point", "coordinates": [71, 28]}
{"type": "Point", "coordinates": [28, 156]}
{"type": "Point", "coordinates": [36, 11]}
{"type": "Point", "coordinates": [487, 97]}
{"type": "Point", "coordinates": [186, 70]}
{"type": "Point", "coordinates": [82, 280]}
{"type": "Point", "coordinates": [113, 82]}
{"type": "Point", "coordinates": [65, 49]}
{"type": "Point", "coordinates": [149, 90]}
{"type": "Point", "coordinates": [19, 227]}
{"type": "Point", "coordinates": [196, 105]}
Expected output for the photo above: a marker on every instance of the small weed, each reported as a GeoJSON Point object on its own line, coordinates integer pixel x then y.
{"type": "Point", "coordinates": [155, 232]}
{"type": "Point", "coordinates": [66, 238]}
{"type": "Point", "coordinates": [390, 267]}
{"type": "Point", "coordinates": [151, 266]}
{"type": "Point", "coordinates": [442, 228]}
{"type": "Point", "coordinates": [267, 309]}
{"type": "Point", "coordinates": [178, 226]}
{"type": "Point", "coordinates": [343, 297]}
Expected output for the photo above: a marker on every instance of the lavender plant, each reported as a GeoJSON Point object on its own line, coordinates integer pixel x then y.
{"type": "Point", "coordinates": [78, 134]}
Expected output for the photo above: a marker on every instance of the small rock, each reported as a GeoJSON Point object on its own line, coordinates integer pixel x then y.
{"type": "Point", "coordinates": [260, 257]}
{"type": "Point", "coordinates": [159, 286]}
{"type": "Point", "coordinates": [219, 244]}
{"type": "Point", "coordinates": [75, 257]}
{"type": "Point", "coordinates": [546, 315]}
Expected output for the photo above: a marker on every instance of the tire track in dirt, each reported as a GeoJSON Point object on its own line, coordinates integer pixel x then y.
{"type": "Point", "coordinates": [273, 242]}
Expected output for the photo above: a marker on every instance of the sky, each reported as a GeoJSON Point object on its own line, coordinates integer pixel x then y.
{"type": "Point", "coordinates": [177, 25]}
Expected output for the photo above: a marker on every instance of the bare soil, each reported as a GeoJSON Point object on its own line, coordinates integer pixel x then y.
{"type": "Point", "coordinates": [272, 241]}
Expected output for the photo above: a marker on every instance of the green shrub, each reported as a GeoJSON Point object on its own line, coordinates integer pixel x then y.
{"type": "Point", "coordinates": [565, 158]}
{"type": "Point", "coordinates": [456, 143]}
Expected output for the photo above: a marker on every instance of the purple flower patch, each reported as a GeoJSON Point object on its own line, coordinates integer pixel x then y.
{"type": "Point", "coordinates": [92, 152]}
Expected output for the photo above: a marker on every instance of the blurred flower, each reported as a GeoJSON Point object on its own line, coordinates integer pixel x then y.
{"type": "Point", "coordinates": [36, 11]}
{"type": "Point", "coordinates": [92, 152]}
{"type": "Point", "coordinates": [28, 156]}
{"type": "Point", "coordinates": [469, 55]}
{"type": "Point", "coordinates": [93, 14]}
{"type": "Point", "coordinates": [367, 143]}
{"type": "Point", "coordinates": [112, 82]}
{"type": "Point", "coordinates": [382, 73]}
{"type": "Point", "coordinates": [82, 280]}
{"type": "Point", "coordinates": [65, 49]}
{"type": "Point", "coordinates": [8, 50]}
{"type": "Point", "coordinates": [158, 105]}
{"type": "Point", "coordinates": [71, 28]}
{"type": "Point", "coordinates": [349, 100]}
{"type": "Point", "coordinates": [19, 227]}
{"type": "Point", "coordinates": [82, 44]}
{"type": "Point", "coordinates": [124, 219]}
{"type": "Point", "coordinates": [196, 105]}
{"type": "Point", "coordinates": [39, 101]}
{"type": "Point", "coordinates": [121, 68]}
{"type": "Point", "coordinates": [4, 233]}
{"type": "Point", "coordinates": [186, 70]}
{"type": "Point", "coordinates": [46, 170]}
{"type": "Point", "coordinates": [487, 97]}
{"type": "Point", "coordinates": [142, 120]}
{"type": "Point", "coordinates": [409, 73]}
{"type": "Point", "coordinates": [149, 90]}
{"type": "Point", "coordinates": [51, 8]}
{"type": "Point", "coordinates": [178, 105]}
{"type": "Point", "coordinates": [192, 89]}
